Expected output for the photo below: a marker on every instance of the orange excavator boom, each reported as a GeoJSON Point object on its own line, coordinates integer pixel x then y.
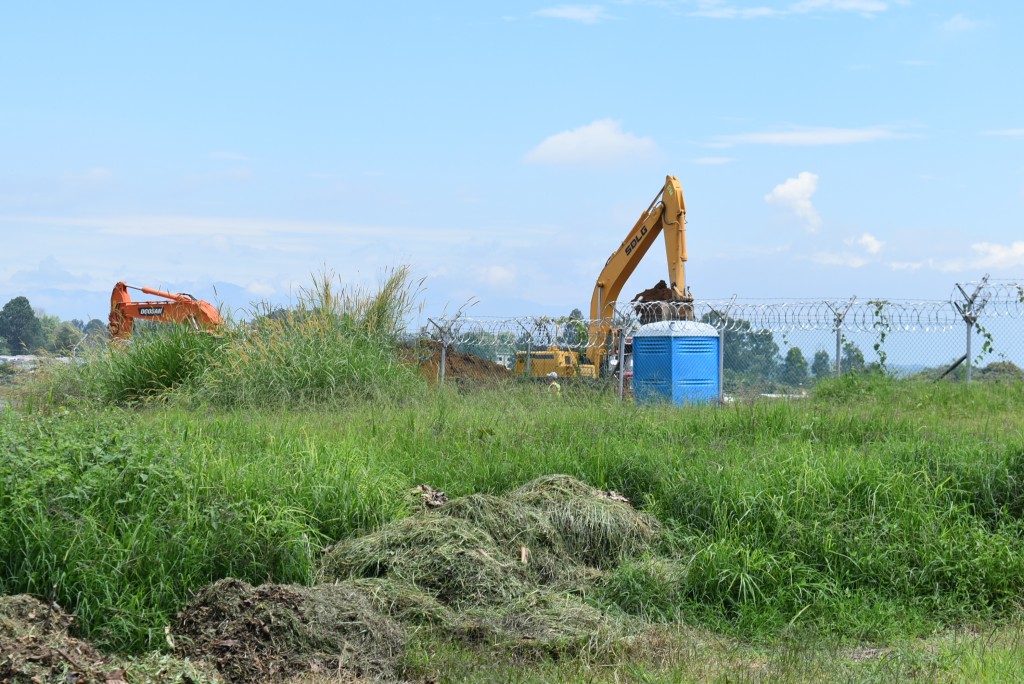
{"type": "Point", "coordinates": [180, 308]}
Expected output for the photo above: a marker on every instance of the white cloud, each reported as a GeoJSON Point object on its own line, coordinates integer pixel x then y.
{"type": "Point", "coordinates": [1008, 133]}
{"type": "Point", "coordinates": [810, 136]}
{"type": "Point", "coordinates": [713, 160]}
{"type": "Point", "coordinates": [719, 9]}
{"type": "Point", "coordinates": [601, 142]}
{"type": "Point", "coordinates": [834, 259]}
{"type": "Point", "coordinates": [869, 242]}
{"type": "Point", "coordinates": [795, 195]}
{"type": "Point", "coordinates": [584, 14]}
{"type": "Point", "coordinates": [260, 289]}
{"type": "Point", "coordinates": [999, 256]}
{"type": "Point", "coordinates": [496, 276]}
{"type": "Point", "coordinates": [958, 23]}
{"type": "Point", "coordinates": [865, 7]}
{"type": "Point", "coordinates": [905, 265]}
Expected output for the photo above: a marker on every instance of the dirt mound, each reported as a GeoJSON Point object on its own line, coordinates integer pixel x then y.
{"type": "Point", "coordinates": [35, 647]}
{"type": "Point", "coordinates": [659, 293]}
{"type": "Point", "coordinates": [457, 366]}
{"type": "Point", "coordinates": [275, 632]}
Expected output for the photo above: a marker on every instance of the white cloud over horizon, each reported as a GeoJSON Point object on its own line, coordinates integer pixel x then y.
{"type": "Point", "coordinates": [958, 23]}
{"type": "Point", "coordinates": [584, 14]}
{"type": "Point", "coordinates": [794, 194]}
{"type": "Point", "coordinates": [991, 255]}
{"type": "Point", "coordinates": [721, 9]}
{"type": "Point", "coordinates": [809, 136]}
{"type": "Point", "coordinates": [869, 242]}
{"type": "Point", "coordinates": [602, 142]}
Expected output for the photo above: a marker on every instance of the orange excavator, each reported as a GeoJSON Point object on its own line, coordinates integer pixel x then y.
{"type": "Point", "coordinates": [180, 308]}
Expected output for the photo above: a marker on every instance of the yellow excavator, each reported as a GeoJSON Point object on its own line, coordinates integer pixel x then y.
{"type": "Point", "coordinates": [666, 214]}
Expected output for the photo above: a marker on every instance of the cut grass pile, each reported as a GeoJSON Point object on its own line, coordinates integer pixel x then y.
{"type": "Point", "coordinates": [435, 570]}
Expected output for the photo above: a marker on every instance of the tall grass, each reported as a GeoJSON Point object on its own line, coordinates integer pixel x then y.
{"type": "Point", "coordinates": [335, 344]}
{"type": "Point", "coordinates": [160, 359]}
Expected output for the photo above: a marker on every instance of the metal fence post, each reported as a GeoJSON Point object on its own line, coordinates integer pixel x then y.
{"type": "Point", "coordinates": [723, 318]}
{"type": "Point", "coordinates": [446, 336]}
{"type": "Point", "coordinates": [969, 311]}
{"type": "Point", "coordinates": [622, 363]}
{"type": "Point", "coordinates": [840, 316]}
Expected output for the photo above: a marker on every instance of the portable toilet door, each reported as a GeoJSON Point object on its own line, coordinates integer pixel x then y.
{"type": "Point", "coordinates": [676, 361]}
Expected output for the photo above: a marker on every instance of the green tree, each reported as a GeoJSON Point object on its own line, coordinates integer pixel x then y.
{"type": "Point", "coordinates": [794, 367]}
{"type": "Point", "coordinates": [64, 338]}
{"type": "Point", "coordinates": [97, 330]}
{"type": "Point", "coordinates": [822, 366]}
{"type": "Point", "coordinates": [20, 327]}
{"type": "Point", "coordinates": [852, 359]}
{"type": "Point", "coordinates": [752, 354]}
{"type": "Point", "coordinates": [574, 332]}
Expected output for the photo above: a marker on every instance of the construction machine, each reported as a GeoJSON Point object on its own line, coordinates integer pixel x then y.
{"type": "Point", "coordinates": [565, 363]}
{"type": "Point", "coordinates": [180, 307]}
{"type": "Point", "coordinates": [665, 215]}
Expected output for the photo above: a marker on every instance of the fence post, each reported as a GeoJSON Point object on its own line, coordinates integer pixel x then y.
{"type": "Point", "coordinates": [722, 318]}
{"type": "Point", "coordinates": [446, 336]}
{"type": "Point", "coordinates": [840, 315]}
{"type": "Point", "coordinates": [622, 363]}
{"type": "Point", "coordinates": [970, 311]}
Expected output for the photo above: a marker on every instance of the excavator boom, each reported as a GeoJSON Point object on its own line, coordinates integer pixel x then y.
{"type": "Point", "coordinates": [181, 308]}
{"type": "Point", "coordinates": [665, 215]}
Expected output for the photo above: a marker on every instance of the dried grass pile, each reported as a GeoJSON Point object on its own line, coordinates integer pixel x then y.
{"type": "Point", "coordinates": [509, 571]}
{"type": "Point", "coordinates": [274, 632]}
{"type": "Point", "coordinates": [35, 646]}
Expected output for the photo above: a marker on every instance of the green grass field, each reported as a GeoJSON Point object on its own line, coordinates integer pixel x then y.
{"type": "Point", "coordinates": [872, 532]}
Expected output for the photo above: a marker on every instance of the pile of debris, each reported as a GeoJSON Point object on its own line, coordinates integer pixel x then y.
{"type": "Point", "coordinates": [35, 647]}
{"type": "Point", "coordinates": [457, 365]}
{"type": "Point", "coordinates": [506, 572]}
{"type": "Point", "coordinates": [661, 303]}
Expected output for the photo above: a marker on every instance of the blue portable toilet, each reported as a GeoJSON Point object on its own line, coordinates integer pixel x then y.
{"type": "Point", "coordinates": [676, 361]}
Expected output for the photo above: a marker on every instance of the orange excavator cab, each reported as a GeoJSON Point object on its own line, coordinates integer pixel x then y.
{"type": "Point", "coordinates": [178, 308]}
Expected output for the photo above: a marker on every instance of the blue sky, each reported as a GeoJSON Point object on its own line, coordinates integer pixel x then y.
{"type": "Point", "coordinates": [826, 148]}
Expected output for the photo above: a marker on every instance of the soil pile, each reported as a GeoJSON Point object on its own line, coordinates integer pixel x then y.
{"type": "Point", "coordinates": [659, 293]}
{"type": "Point", "coordinates": [274, 632]}
{"type": "Point", "coordinates": [457, 366]}
{"type": "Point", "coordinates": [35, 647]}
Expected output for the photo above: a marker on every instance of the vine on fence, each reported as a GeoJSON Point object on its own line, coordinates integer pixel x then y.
{"type": "Point", "coordinates": [883, 326]}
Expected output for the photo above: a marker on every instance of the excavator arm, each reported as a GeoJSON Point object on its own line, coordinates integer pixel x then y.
{"type": "Point", "coordinates": [180, 308]}
{"type": "Point", "coordinates": [665, 215]}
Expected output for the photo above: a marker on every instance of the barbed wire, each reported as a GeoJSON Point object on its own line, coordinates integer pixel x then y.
{"type": "Point", "coordinates": [1002, 299]}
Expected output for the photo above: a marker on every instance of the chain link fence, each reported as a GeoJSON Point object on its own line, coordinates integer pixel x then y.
{"type": "Point", "coordinates": [776, 347]}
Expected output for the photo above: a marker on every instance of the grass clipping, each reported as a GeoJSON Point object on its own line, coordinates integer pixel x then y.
{"type": "Point", "coordinates": [507, 571]}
